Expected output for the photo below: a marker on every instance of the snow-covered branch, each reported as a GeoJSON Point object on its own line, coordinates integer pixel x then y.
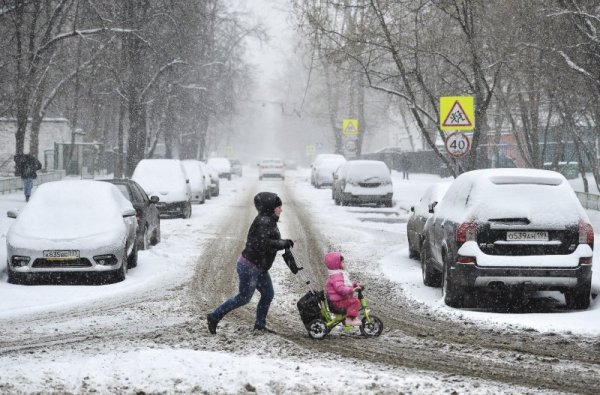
{"type": "Point", "coordinates": [158, 74]}
{"type": "Point", "coordinates": [82, 33]}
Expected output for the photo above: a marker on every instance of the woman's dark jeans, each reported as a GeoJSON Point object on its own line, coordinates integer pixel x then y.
{"type": "Point", "coordinates": [250, 279]}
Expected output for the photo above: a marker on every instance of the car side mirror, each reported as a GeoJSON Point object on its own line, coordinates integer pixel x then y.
{"type": "Point", "coordinates": [432, 206]}
{"type": "Point", "coordinates": [129, 212]}
{"type": "Point", "coordinates": [412, 209]}
{"type": "Point", "coordinates": [154, 199]}
{"type": "Point", "coordinates": [187, 181]}
{"type": "Point", "coordinates": [12, 213]}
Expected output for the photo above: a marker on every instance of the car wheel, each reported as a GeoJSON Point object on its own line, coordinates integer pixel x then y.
{"type": "Point", "coordinates": [452, 295]}
{"type": "Point", "coordinates": [431, 277]}
{"type": "Point", "coordinates": [133, 257]}
{"type": "Point", "coordinates": [412, 254]}
{"type": "Point", "coordinates": [144, 241]}
{"type": "Point", "coordinates": [203, 198]}
{"type": "Point", "coordinates": [229, 177]}
{"type": "Point", "coordinates": [389, 203]}
{"type": "Point", "coordinates": [186, 210]}
{"type": "Point", "coordinates": [121, 273]}
{"type": "Point", "coordinates": [282, 178]}
{"type": "Point", "coordinates": [156, 235]}
{"type": "Point", "coordinates": [578, 298]}
{"type": "Point", "coordinates": [336, 200]}
{"type": "Point", "coordinates": [207, 194]}
{"type": "Point", "coordinates": [259, 178]}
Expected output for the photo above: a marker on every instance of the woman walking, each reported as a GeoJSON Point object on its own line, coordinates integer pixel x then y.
{"type": "Point", "coordinates": [262, 244]}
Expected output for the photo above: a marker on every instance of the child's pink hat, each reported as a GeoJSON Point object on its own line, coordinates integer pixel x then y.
{"type": "Point", "coordinates": [333, 260]}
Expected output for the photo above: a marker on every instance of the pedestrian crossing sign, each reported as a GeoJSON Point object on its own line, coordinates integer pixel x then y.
{"type": "Point", "coordinates": [457, 113]}
{"type": "Point", "coordinates": [350, 127]}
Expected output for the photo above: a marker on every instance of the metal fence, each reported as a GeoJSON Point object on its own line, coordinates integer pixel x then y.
{"type": "Point", "coordinates": [11, 184]}
{"type": "Point", "coordinates": [589, 200]}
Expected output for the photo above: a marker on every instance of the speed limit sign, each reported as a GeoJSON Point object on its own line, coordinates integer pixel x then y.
{"type": "Point", "coordinates": [458, 144]}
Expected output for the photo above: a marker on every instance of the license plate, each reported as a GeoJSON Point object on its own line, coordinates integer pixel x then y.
{"type": "Point", "coordinates": [61, 254]}
{"type": "Point", "coordinates": [527, 236]}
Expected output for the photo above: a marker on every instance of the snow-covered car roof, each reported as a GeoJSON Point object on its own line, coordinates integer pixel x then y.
{"type": "Point", "coordinates": [328, 157]}
{"type": "Point", "coordinates": [159, 174]}
{"type": "Point", "coordinates": [434, 193]}
{"type": "Point", "coordinates": [193, 171]}
{"type": "Point", "coordinates": [220, 163]}
{"type": "Point", "coordinates": [542, 196]}
{"type": "Point", "coordinates": [72, 209]}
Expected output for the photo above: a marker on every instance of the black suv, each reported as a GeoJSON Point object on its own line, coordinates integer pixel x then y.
{"type": "Point", "coordinates": [522, 229]}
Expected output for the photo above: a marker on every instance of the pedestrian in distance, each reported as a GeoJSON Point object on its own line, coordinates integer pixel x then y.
{"type": "Point", "coordinates": [262, 244]}
{"type": "Point", "coordinates": [26, 166]}
{"type": "Point", "coordinates": [340, 289]}
{"type": "Point", "coordinates": [405, 165]}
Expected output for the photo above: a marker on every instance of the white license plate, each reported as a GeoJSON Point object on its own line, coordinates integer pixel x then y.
{"type": "Point", "coordinates": [527, 236]}
{"type": "Point", "coordinates": [61, 254]}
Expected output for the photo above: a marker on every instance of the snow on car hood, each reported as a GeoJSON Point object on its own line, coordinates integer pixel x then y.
{"type": "Point", "coordinates": [68, 210]}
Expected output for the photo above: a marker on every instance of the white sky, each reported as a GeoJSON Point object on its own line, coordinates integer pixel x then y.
{"type": "Point", "coordinates": [159, 368]}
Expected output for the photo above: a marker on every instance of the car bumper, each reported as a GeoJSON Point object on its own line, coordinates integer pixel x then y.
{"type": "Point", "coordinates": [84, 264]}
{"type": "Point", "coordinates": [350, 197]}
{"type": "Point", "coordinates": [272, 174]}
{"type": "Point", "coordinates": [539, 279]}
{"type": "Point", "coordinates": [172, 208]}
{"type": "Point", "coordinates": [541, 272]}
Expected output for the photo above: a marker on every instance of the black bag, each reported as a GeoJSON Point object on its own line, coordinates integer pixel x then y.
{"type": "Point", "coordinates": [290, 261]}
{"type": "Point", "coordinates": [308, 306]}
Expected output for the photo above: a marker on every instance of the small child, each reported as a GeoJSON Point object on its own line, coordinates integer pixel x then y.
{"type": "Point", "coordinates": [340, 289]}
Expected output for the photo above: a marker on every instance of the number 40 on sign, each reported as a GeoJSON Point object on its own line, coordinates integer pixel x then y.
{"type": "Point", "coordinates": [458, 144]}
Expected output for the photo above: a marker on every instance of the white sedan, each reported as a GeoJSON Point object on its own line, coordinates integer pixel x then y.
{"type": "Point", "coordinates": [76, 226]}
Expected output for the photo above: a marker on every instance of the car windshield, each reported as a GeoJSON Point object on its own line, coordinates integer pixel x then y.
{"type": "Point", "coordinates": [272, 162]}
{"type": "Point", "coordinates": [368, 171]}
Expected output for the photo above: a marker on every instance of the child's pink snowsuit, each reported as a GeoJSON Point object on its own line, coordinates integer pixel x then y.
{"type": "Point", "coordinates": [340, 294]}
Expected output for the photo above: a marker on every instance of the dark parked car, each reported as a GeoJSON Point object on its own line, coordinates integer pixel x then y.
{"type": "Point", "coordinates": [509, 230]}
{"type": "Point", "coordinates": [236, 167]}
{"type": "Point", "coordinates": [420, 213]}
{"type": "Point", "coordinates": [148, 217]}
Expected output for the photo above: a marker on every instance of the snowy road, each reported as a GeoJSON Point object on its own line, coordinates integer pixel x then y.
{"type": "Point", "coordinates": [148, 333]}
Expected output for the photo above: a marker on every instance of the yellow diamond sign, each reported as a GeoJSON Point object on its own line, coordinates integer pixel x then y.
{"type": "Point", "coordinates": [350, 127]}
{"type": "Point", "coordinates": [457, 113]}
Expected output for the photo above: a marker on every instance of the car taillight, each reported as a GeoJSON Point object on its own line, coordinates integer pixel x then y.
{"type": "Point", "coordinates": [586, 234]}
{"type": "Point", "coordinates": [466, 232]}
{"type": "Point", "coordinates": [585, 260]}
{"type": "Point", "coordinates": [466, 260]}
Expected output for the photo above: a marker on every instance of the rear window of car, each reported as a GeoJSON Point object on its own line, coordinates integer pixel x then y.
{"type": "Point", "coordinates": [272, 162]}
{"type": "Point", "coordinates": [368, 169]}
